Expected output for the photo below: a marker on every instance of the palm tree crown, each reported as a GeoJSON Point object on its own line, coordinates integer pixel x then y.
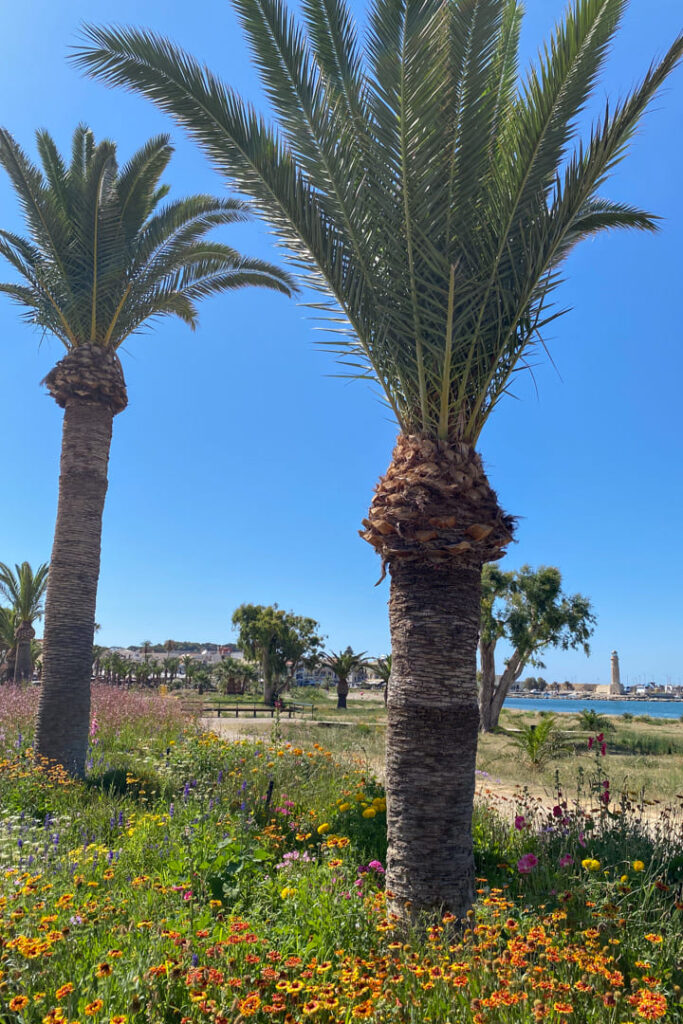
{"type": "Point", "coordinates": [432, 195]}
{"type": "Point", "coordinates": [103, 256]}
{"type": "Point", "coordinates": [343, 663]}
{"type": "Point", "coordinates": [24, 589]}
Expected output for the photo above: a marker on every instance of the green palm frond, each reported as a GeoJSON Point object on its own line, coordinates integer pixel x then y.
{"type": "Point", "coordinates": [24, 589]}
{"type": "Point", "coordinates": [430, 194]}
{"type": "Point", "coordinates": [103, 256]}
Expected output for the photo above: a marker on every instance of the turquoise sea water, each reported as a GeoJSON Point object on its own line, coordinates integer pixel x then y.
{"type": "Point", "coordinates": [654, 708]}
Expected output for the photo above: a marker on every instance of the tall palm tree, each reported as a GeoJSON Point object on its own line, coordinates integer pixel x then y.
{"type": "Point", "coordinates": [25, 589]}
{"type": "Point", "coordinates": [343, 664]}
{"type": "Point", "coordinates": [433, 196]}
{"type": "Point", "coordinates": [102, 259]}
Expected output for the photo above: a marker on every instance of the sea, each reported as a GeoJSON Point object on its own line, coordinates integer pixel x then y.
{"type": "Point", "coordinates": [572, 705]}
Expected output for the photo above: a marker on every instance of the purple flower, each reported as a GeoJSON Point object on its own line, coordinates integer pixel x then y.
{"type": "Point", "coordinates": [376, 866]}
{"type": "Point", "coordinates": [566, 860]}
{"type": "Point", "coordinates": [527, 863]}
{"type": "Point", "coordinates": [520, 822]}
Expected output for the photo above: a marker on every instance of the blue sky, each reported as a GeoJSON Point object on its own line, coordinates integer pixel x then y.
{"type": "Point", "coordinates": [241, 469]}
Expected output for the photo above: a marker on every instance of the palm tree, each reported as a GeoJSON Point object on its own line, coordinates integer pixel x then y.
{"type": "Point", "coordinates": [343, 664]}
{"type": "Point", "coordinates": [102, 259]}
{"type": "Point", "coordinates": [25, 589]}
{"type": "Point", "coordinates": [8, 643]}
{"type": "Point", "coordinates": [433, 196]}
{"type": "Point", "coordinates": [382, 668]}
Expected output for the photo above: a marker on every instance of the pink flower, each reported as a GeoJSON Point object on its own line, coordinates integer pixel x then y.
{"type": "Point", "coordinates": [187, 895]}
{"type": "Point", "coordinates": [566, 860]}
{"type": "Point", "coordinates": [376, 866]}
{"type": "Point", "coordinates": [527, 863]}
{"type": "Point", "coordinates": [582, 839]}
{"type": "Point", "coordinates": [590, 742]}
{"type": "Point", "coordinates": [520, 822]}
{"type": "Point", "coordinates": [603, 749]}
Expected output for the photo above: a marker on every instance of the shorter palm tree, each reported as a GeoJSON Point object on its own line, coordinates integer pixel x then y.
{"type": "Point", "coordinates": [343, 664]}
{"type": "Point", "coordinates": [25, 590]}
{"type": "Point", "coordinates": [382, 668]}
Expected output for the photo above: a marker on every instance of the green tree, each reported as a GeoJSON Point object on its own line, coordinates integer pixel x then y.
{"type": "Point", "coordinates": [278, 641]}
{"type": "Point", "coordinates": [528, 609]}
{"type": "Point", "coordinates": [344, 664]}
{"type": "Point", "coordinates": [434, 198]}
{"type": "Point", "coordinates": [102, 259]}
{"type": "Point", "coordinates": [25, 589]}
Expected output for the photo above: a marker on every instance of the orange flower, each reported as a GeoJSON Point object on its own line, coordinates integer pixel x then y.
{"type": "Point", "coordinates": [563, 1008]}
{"type": "Point", "coordinates": [249, 1007]}
{"type": "Point", "coordinates": [654, 938]}
{"type": "Point", "coordinates": [92, 1009]}
{"type": "Point", "coordinates": [119, 1018]}
{"type": "Point", "coordinates": [65, 990]}
{"type": "Point", "coordinates": [363, 1010]}
{"type": "Point", "coordinates": [651, 1005]}
{"type": "Point", "coordinates": [19, 1002]}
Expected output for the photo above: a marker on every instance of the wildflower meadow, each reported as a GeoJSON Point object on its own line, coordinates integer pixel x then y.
{"type": "Point", "coordinates": [192, 879]}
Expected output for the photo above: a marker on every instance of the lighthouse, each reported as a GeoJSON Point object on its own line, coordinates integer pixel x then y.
{"type": "Point", "coordinates": [615, 687]}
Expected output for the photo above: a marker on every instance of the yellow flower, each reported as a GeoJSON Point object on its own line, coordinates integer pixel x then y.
{"type": "Point", "coordinates": [590, 864]}
{"type": "Point", "coordinates": [345, 806]}
{"type": "Point", "coordinates": [624, 879]}
{"type": "Point", "coordinates": [638, 865]}
{"type": "Point", "coordinates": [322, 829]}
{"type": "Point", "coordinates": [287, 891]}
{"type": "Point", "coordinates": [369, 812]}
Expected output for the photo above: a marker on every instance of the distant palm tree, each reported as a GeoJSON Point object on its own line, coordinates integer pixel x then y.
{"type": "Point", "coordinates": [25, 590]}
{"type": "Point", "coordinates": [434, 197]}
{"type": "Point", "coordinates": [343, 664]}
{"type": "Point", "coordinates": [102, 259]}
{"type": "Point", "coordinates": [382, 668]}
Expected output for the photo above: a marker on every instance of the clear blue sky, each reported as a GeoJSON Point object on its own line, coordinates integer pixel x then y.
{"type": "Point", "coordinates": [241, 469]}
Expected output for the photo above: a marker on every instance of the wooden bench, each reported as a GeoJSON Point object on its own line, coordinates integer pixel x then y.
{"type": "Point", "coordinates": [254, 710]}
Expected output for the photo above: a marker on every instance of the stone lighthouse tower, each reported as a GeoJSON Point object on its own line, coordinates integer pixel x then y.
{"type": "Point", "coordinates": [615, 687]}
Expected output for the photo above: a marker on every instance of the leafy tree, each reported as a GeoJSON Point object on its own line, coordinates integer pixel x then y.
{"type": "Point", "coordinates": [344, 664]}
{"type": "Point", "coordinates": [528, 609]}
{"type": "Point", "coordinates": [433, 197]}
{"type": "Point", "coordinates": [170, 667]}
{"type": "Point", "coordinates": [25, 589]}
{"type": "Point", "coordinates": [102, 259]}
{"type": "Point", "coordinates": [278, 641]}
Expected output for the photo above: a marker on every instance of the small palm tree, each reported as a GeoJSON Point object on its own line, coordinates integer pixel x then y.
{"type": "Point", "coordinates": [434, 197]}
{"type": "Point", "coordinates": [541, 743]}
{"type": "Point", "coordinates": [589, 718]}
{"type": "Point", "coordinates": [343, 664]}
{"type": "Point", "coordinates": [382, 668]}
{"type": "Point", "coordinates": [102, 259]}
{"type": "Point", "coordinates": [25, 589]}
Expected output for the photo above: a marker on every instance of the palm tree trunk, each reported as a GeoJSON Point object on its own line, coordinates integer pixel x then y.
{"type": "Point", "coordinates": [23, 667]}
{"type": "Point", "coordinates": [432, 727]}
{"type": "Point", "coordinates": [64, 710]}
{"type": "Point", "coordinates": [342, 692]}
{"type": "Point", "coordinates": [435, 521]}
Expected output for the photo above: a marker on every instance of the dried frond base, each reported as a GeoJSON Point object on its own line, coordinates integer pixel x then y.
{"type": "Point", "coordinates": [435, 504]}
{"type": "Point", "coordinates": [90, 373]}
